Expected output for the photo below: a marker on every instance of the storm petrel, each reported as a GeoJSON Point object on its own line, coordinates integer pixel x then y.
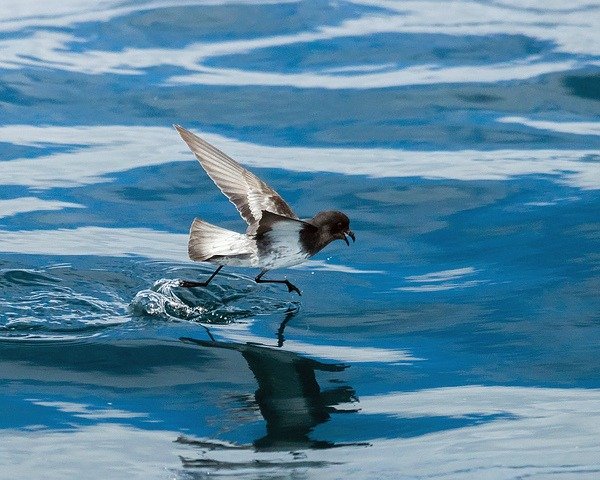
{"type": "Point", "coordinates": [275, 237]}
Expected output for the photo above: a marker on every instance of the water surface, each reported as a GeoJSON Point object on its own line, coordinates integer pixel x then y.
{"type": "Point", "coordinates": [457, 338]}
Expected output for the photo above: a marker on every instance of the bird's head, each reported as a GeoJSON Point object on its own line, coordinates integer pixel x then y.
{"type": "Point", "coordinates": [333, 225]}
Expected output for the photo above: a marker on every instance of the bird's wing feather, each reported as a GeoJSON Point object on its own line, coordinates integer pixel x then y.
{"type": "Point", "coordinates": [246, 191]}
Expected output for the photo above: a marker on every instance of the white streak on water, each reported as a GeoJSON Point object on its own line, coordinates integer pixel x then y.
{"type": "Point", "coordinates": [570, 27]}
{"type": "Point", "coordinates": [86, 411]}
{"type": "Point", "coordinates": [15, 206]}
{"type": "Point", "coordinates": [339, 353]}
{"type": "Point", "coordinates": [241, 333]}
{"type": "Point", "coordinates": [18, 15]}
{"type": "Point", "coordinates": [423, 74]}
{"type": "Point", "coordinates": [522, 444]}
{"type": "Point", "coordinates": [94, 152]}
{"type": "Point", "coordinates": [65, 453]}
{"type": "Point", "coordinates": [102, 150]}
{"type": "Point", "coordinates": [442, 276]}
{"type": "Point", "coordinates": [442, 280]}
{"type": "Point", "coordinates": [440, 286]}
{"type": "Point", "coordinates": [97, 241]}
{"type": "Point", "coordinates": [52, 49]}
{"type": "Point", "coordinates": [573, 128]}
{"type": "Point", "coordinates": [469, 400]}
{"type": "Point", "coordinates": [322, 265]}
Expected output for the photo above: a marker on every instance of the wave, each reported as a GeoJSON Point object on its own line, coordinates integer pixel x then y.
{"type": "Point", "coordinates": [38, 306]}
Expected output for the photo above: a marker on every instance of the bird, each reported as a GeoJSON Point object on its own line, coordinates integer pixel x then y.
{"type": "Point", "coordinates": [275, 237]}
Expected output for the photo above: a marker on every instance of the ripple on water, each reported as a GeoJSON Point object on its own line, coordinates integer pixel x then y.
{"type": "Point", "coordinates": [25, 277]}
{"type": "Point", "coordinates": [61, 303]}
{"type": "Point", "coordinates": [37, 305]}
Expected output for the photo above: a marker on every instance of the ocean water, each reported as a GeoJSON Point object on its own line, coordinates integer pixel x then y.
{"type": "Point", "coordinates": [458, 338]}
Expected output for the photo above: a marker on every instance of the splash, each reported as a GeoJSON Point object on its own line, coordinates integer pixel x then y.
{"type": "Point", "coordinates": [161, 300]}
{"type": "Point", "coordinates": [215, 304]}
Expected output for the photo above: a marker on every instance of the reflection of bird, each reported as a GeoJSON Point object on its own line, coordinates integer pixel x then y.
{"type": "Point", "coordinates": [275, 237]}
{"type": "Point", "coordinates": [288, 395]}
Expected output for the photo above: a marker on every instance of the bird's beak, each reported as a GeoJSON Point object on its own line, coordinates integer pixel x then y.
{"type": "Point", "coordinates": [350, 234]}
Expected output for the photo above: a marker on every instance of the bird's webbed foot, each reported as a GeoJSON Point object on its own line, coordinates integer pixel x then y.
{"type": "Point", "coordinates": [292, 288]}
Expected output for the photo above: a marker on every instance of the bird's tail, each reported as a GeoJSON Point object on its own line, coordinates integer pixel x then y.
{"type": "Point", "coordinates": [209, 242]}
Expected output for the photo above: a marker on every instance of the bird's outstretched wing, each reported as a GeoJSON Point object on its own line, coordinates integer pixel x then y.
{"type": "Point", "coordinates": [246, 191]}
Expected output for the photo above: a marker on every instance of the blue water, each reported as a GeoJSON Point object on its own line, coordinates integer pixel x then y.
{"type": "Point", "coordinates": [457, 338]}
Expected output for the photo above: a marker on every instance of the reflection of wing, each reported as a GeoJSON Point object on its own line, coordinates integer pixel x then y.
{"type": "Point", "coordinates": [246, 191]}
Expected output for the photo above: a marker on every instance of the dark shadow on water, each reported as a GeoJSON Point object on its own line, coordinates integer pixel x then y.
{"type": "Point", "coordinates": [289, 399]}
{"type": "Point", "coordinates": [288, 396]}
{"type": "Point", "coordinates": [584, 85]}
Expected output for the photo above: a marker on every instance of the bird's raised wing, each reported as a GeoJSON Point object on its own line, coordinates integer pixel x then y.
{"type": "Point", "coordinates": [246, 191]}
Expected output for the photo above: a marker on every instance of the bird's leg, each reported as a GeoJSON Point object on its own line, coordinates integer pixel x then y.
{"type": "Point", "coordinates": [291, 287]}
{"type": "Point", "coordinates": [190, 284]}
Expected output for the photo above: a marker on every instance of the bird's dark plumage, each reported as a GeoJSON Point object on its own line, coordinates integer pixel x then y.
{"type": "Point", "coordinates": [275, 236]}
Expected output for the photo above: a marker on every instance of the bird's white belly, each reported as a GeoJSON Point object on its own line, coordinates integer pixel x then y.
{"type": "Point", "coordinates": [281, 246]}
{"type": "Point", "coordinates": [281, 256]}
